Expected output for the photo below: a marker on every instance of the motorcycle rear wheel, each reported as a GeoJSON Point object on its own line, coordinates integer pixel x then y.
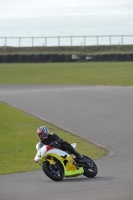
{"type": "Point", "coordinates": [54, 172]}
{"type": "Point", "coordinates": [90, 171]}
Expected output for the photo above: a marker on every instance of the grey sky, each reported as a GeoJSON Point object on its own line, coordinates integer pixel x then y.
{"type": "Point", "coordinates": [38, 3]}
{"type": "Point", "coordinates": [30, 7]}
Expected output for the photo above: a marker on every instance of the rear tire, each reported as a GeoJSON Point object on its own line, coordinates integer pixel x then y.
{"type": "Point", "coordinates": [54, 172]}
{"type": "Point", "coordinates": [90, 171]}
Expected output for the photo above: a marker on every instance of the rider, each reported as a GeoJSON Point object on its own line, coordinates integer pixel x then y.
{"type": "Point", "coordinates": [53, 139]}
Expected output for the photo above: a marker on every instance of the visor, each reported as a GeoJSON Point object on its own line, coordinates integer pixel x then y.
{"type": "Point", "coordinates": [41, 135]}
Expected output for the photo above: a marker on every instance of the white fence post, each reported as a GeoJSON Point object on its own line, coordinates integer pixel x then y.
{"type": "Point", "coordinates": [111, 40]}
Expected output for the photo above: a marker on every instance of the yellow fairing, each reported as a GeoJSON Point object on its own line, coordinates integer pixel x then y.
{"type": "Point", "coordinates": [68, 164]}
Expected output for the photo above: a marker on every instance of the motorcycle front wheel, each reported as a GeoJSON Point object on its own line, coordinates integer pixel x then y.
{"type": "Point", "coordinates": [53, 171]}
{"type": "Point", "coordinates": [91, 170]}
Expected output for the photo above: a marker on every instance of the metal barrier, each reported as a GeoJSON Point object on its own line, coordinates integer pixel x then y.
{"type": "Point", "coordinates": [66, 41]}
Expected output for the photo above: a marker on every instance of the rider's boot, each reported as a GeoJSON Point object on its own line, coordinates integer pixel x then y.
{"type": "Point", "coordinates": [79, 158]}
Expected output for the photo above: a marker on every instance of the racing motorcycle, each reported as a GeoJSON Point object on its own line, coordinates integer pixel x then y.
{"type": "Point", "coordinates": [57, 164]}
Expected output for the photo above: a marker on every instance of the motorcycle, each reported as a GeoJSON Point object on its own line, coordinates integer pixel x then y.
{"type": "Point", "coordinates": [57, 164]}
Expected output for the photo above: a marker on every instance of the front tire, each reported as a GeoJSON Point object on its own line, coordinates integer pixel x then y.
{"type": "Point", "coordinates": [53, 171]}
{"type": "Point", "coordinates": [90, 171]}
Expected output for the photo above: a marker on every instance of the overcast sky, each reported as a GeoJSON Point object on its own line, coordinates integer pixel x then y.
{"type": "Point", "coordinates": [25, 8]}
{"type": "Point", "coordinates": [38, 3]}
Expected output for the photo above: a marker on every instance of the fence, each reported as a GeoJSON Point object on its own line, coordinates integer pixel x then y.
{"type": "Point", "coordinates": [66, 41]}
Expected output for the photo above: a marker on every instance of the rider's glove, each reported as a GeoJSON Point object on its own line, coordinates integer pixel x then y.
{"type": "Point", "coordinates": [54, 144]}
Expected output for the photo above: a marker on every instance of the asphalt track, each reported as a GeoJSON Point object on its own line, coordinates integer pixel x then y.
{"type": "Point", "coordinates": [100, 114]}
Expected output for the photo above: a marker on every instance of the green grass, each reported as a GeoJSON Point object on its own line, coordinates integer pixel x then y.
{"type": "Point", "coordinates": [92, 73]}
{"type": "Point", "coordinates": [18, 138]}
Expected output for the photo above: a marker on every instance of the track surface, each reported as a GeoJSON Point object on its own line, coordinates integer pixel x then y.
{"type": "Point", "coordinates": [101, 114]}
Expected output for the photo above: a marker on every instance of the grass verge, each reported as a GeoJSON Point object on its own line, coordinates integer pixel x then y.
{"type": "Point", "coordinates": [91, 73]}
{"type": "Point", "coordinates": [18, 139]}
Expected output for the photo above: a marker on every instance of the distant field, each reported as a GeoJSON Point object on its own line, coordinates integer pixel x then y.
{"type": "Point", "coordinates": [90, 73]}
{"type": "Point", "coordinates": [96, 49]}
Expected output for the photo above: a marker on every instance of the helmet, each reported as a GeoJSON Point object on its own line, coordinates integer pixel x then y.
{"type": "Point", "coordinates": [42, 132]}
